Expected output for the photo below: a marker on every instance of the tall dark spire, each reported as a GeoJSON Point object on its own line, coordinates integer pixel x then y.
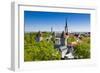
{"type": "Point", "coordinates": [66, 27]}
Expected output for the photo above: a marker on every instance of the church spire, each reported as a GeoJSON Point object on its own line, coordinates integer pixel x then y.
{"type": "Point", "coordinates": [66, 27]}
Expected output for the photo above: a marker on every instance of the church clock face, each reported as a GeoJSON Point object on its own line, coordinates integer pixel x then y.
{"type": "Point", "coordinates": [56, 35]}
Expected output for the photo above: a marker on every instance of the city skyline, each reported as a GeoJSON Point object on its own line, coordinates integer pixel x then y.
{"type": "Point", "coordinates": [35, 21]}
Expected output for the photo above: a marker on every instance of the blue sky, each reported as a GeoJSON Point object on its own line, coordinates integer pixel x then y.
{"type": "Point", "coordinates": [43, 21]}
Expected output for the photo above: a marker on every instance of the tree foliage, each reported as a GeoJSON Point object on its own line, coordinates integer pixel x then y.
{"type": "Point", "coordinates": [37, 51]}
{"type": "Point", "coordinates": [71, 39]}
{"type": "Point", "coordinates": [82, 50]}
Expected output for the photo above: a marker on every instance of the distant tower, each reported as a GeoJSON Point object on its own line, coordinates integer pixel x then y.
{"type": "Point", "coordinates": [66, 28]}
{"type": "Point", "coordinates": [39, 36]}
{"type": "Point", "coordinates": [51, 33]}
{"type": "Point", "coordinates": [51, 30]}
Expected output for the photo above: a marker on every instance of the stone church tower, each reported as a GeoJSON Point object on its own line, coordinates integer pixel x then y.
{"type": "Point", "coordinates": [39, 36]}
{"type": "Point", "coordinates": [64, 35]}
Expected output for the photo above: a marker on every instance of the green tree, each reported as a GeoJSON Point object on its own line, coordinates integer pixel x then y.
{"type": "Point", "coordinates": [82, 50]}
{"type": "Point", "coordinates": [39, 51]}
{"type": "Point", "coordinates": [71, 39]}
